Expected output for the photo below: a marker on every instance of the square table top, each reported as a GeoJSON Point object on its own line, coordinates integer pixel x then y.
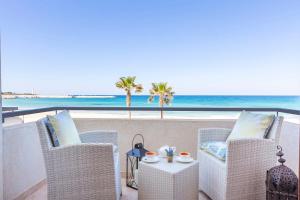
{"type": "Point", "coordinates": [171, 168]}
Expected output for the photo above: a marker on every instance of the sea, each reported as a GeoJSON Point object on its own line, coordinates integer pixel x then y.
{"type": "Point", "coordinates": [290, 102]}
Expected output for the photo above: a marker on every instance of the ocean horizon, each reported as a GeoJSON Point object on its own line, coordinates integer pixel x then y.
{"type": "Point", "coordinates": [289, 102]}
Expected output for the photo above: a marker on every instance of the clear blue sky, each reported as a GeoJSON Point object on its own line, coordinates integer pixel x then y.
{"type": "Point", "coordinates": [199, 47]}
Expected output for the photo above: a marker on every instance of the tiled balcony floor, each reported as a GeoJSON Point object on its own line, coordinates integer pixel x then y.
{"type": "Point", "coordinates": [128, 194]}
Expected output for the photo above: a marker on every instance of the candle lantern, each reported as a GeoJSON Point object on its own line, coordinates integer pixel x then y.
{"type": "Point", "coordinates": [282, 182]}
{"type": "Point", "coordinates": [133, 157]}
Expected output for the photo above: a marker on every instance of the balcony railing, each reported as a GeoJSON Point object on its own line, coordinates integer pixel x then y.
{"type": "Point", "coordinates": [173, 109]}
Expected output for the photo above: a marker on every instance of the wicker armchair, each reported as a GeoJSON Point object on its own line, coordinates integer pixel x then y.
{"type": "Point", "coordinates": [90, 170]}
{"type": "Point", "coordinates": [242, 175]}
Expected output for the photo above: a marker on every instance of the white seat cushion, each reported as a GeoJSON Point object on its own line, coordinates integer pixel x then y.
{"type": "Point", "coordinates": [251, 125]}
{"type": "Point", "coordinates": [64, 128]}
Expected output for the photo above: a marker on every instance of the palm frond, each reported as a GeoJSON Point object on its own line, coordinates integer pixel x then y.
{"type": "Point", "coordinates": [128, 84]}
{"type": "Point", "coordinates": [152, 92]}
{"type": "Point", "coordinates": [155, 87]}
{"type": "Point", "coordinates": [138, 88]}
{"type": "Point", "coordinates": [151, 98]}
{"type": "Point", "coordinates": [120, 84]}
{"type": "Point", "coordinates": [133, 78]}
{"type": "Point", "coordinates": [167, 100]}
{"type": "Point", "coordinates": [162, 90]}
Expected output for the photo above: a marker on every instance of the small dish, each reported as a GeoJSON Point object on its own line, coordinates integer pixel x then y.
{"type": "Point", "coordinates": [151, 160]}
{"type": "Point", "coordinates": [184, 160]}
{"type": "Point", "coordinates": [150, 154]}
{"type": "Point", "coordinates": [184, 154]}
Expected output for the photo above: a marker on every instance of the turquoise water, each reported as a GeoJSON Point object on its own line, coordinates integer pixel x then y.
{"type": "Point", "coordinates": [291, 102]}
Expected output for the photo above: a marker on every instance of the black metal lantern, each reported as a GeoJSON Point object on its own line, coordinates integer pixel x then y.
{"type": "Point", "coordinates": [282, 182]}
{"type": "Point", "coordinates": [133, 157]}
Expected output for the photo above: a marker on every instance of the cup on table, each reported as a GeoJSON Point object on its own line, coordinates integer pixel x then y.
{"type": "Point", "coordinates": [185, 155]}
{"type": "Point", "coordinates": [150, 155]}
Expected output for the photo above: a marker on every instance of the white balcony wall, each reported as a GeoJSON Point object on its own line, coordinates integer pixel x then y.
{"type": "Point", "coordinates": [23, 162]}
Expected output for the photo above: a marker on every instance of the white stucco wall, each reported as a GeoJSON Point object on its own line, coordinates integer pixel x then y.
{"type": "Point", "coordinates": [23, 161]}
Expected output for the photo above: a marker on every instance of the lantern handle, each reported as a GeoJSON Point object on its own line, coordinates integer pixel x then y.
{"type": "Point", "coordinates": [280, 154]}
{"type": "Point", "coordinates": [134, 139]}
{"type": "Point", "coordinates": [279, 147]}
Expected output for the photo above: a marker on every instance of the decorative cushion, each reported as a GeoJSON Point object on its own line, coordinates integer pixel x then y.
{"type": "Point", "coordinates": [216, 149]}
{"type": "Point", "coordinates": [52, 134]}
{"type": "Point", "coordinates": [64, 128]}
{"type": "Point", "coordinates": [252, 125]}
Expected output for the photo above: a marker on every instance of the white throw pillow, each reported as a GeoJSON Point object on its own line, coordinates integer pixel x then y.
{"type": "Point", "coordinates": [65, 128]}
{"type": "Point", "coordinates": [251, 125]}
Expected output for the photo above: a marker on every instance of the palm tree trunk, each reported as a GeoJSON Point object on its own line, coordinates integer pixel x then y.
{"type": "Point", "coordinates": [161, 103]}
{"type": "Point", "coordinates": [128, 103]}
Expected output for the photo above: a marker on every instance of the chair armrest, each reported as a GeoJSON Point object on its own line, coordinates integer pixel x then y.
{"type": "Point", "coordinates": [249, 148]}
{"type": "Point", "coordinates": [250, 152]}
{"type": "Point", "coordinates": [99, 137]}
{"type": "Point", "coordinates": [247, 162]}
{"type": "Point", "coordinates": [212, 134]}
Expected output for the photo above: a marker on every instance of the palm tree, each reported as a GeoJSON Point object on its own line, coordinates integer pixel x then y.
{"type": "Point", "coordinates": [164, 92]}
{"type": "Point", "coordinates": [128, 85]}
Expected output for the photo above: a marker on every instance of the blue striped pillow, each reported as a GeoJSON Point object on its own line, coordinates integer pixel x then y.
{"type": "Point", "coordinates": [52, 134]}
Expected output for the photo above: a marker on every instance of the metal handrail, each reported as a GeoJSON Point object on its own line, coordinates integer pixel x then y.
{"type": "Point", "coordinates": [8, 109]}
{"type": "Point", "coordinates": [216, 109]}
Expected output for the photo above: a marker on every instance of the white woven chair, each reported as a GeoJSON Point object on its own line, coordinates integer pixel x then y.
{"type": "Point", "coordinates": [90, 170]}
{"type": "Point", "coordinates": [242, 175]}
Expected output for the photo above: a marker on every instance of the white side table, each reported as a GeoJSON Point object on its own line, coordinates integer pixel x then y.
{"type": "Point", "coordinates": [167, 181]}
